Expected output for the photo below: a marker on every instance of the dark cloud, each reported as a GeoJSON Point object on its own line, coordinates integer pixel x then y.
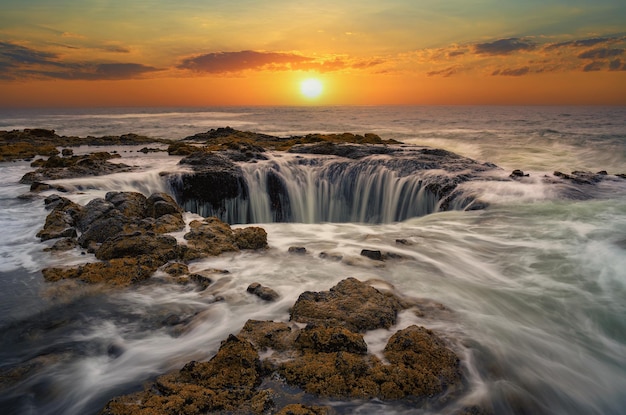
{"type": "Point", "coordinates": [19, 62]}
{"type": "Point", "coordinates": [601, 53]}
{"type": "Point", "coordinates": [503, 46]}
{"type": "Point", "coordinates": [444, 72]}
{"type": "Point", "coordinates": [454, 53]}
{"type": "Point", "coordinates": [594, 66]}
{"type": "Point", "coordinates": [512, 72]}
{"type": "Point", "coordinates": [617, 65]}
{"type": "Point", "coordinates": [222, 62]}
{"type": "Point", "coordinates": [581, 42]}
{"type": "Point", "coordinates": [12, 54]}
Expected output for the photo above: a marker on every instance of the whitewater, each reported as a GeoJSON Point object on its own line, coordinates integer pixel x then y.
{"type": "Point", "coordinates": [533, 287]}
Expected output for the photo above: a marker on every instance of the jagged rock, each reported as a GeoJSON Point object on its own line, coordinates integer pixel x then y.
{"type": "Point", "coordinates": [330, 340]}
{"type": "Point", "coordinates": [129, 204]}
{"type": "Point", "coordinates": [326, 360]}
{"type": "Point", "coordinates": [160, 204]}
{"type": "Point", "coordinates": [95, 164]}
{"type": "Point", "coordinates": [350, 304]}
{"type": "Point", "coordinates": [251, 237]}
{"type": "Point", "coordinates": [226, 383]}
{"type": "Point", "coordinates": [61, 221]}
{"type": "Point", "coordinates": [371, 254]}
{"type": "Point", "coordinates": [215, 180]}
{"type": "Point", "coordinates": [94, 210]}
{"type": "Point", "coordinates": [264, 293]}
{"type": "Point", "coordinates": [209, 237]}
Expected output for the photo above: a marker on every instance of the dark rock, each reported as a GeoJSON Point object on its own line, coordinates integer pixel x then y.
{"type": "Point", "coordinates": [371, 254]}
{"type": "Point", "coordinates": [209, 237]}
{"type": "Point", "coordinates": [403, 242]}
{"type": "Point", "coordinates": [215, 180]}
{"type": "Point", "coordinates": [581, 177]}
{"type": "Point", "coordinates": [299, 409]}
{"type": "Point", "coordinates": [517, 174]}
{"type": "Point", "coordinates": [96, 209]}
{"type": "Point", "coordinates": [300, 250]}
{"type": "Point", "coordinates": [342, 150]}
{"type": "Point", "coordinates": [161, 247]}
{"type": "Point", "coordinates": [202, 281]}
{"type": "Point", "coordinates": [160, 204]}
{"type": "Point", "coordinates": [101, 230]}
{"type": "Point", "coordinates": [95, 164]}
{"type": "Point", "coordinates": [67, 152]}
{"type": "Point", "coordinates": [129, 204]}
{"type": "Point", "coordinates": [350, 304]}
{"type": "Point", "coordinates": [59, 224]}
{"type": "Point", "coordinates": [264, 293]}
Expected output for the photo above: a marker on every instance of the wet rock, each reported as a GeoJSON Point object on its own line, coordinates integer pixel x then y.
{"type": "Point", "coordinates": [162, 248]}
{"type": "Point", "coordinates": [117, 272]}
{"type": "Point", "coordinates": [214, 180]}
{"type": "Point", "coordinates": [264, 293]}
{"type": "Point", "coordinates": [56, 167]}
{"type": "Point", "coordinates": [372, 254]}
{"type": "Point", "coordinates": [95, 209]}
{"type": "Point", "coordinates": [67, 152]}
{"type": "Point", "coordinates": [64, 244]}
{"type": "Point", "coordinates": [202, 281]}
{"type": "Point", "coordinates": [176, 269]}
{"type": "Point", "coordinates": [330, 340]}
{"type": "Point", "coordinates": [351, 304]}
{"type": "Point", "coordinates": [103, 229]}
{"type": "Point", "coordinates": [516, 174]}
{"type": "Point", "coordinates": [160, 204]}
{"type": "Point", "coordinates": [405, 242]}
{"type": "Point", "coordinates": [581, 177]}
{"type": "Point", "coordinates": [300, 250]}
{"type": "Point", "coordinates": [251, 237]}
{"type": "Point", "coordinates": [226, 383]}
{"type": "Point", "coordinates": [209, 237]}
{"type": "Point", "coordinates": [59, 224]}
{"type": "Point", "coordinates": [129, 204]}
{"type": "Point", "coordinates": [342, 150]}
{"type": "Point", "coordinates": [269, 335]}
{"type": "Point", "coordinates": [61, 221]}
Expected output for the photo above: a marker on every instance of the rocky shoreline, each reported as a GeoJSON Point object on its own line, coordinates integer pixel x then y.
{"type": "Point", "coordinates": [318, 353]}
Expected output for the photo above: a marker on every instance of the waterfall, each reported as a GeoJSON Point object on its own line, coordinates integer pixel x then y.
{"type": "Point", "coordinates": [313, 189]}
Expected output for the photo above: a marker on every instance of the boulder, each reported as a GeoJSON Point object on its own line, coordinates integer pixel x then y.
{"type": "Point", "coordinates": [372, 254]}
{"type": "Point", "coordinates": [264, 293]}
{"type": "Point", "coordinates": [351, 304]}
{"type": "Point", "coordinates": [252, 237]}
{"type": "Point", "coordinates": [162, 248]}
{"type": "Point", "coordinates": [210, 236]}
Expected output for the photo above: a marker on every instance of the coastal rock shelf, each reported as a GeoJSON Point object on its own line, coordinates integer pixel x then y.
{"type": "Point", "coordinates": [327, 358]}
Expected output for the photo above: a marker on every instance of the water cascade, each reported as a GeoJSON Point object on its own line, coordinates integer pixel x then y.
{"type": "Point", "coordinates": [312, 189]}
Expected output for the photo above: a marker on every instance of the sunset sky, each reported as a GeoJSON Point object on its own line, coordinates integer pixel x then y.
{"type": "Point", "coordinates": [365, 52]}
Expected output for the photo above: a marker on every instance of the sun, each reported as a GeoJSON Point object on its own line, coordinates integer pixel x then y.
{"type": "Point", "coordinates": [311, 88]}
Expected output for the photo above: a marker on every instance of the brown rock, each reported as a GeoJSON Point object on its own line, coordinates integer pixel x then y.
{"type": "Point", "coordinates": [350, 304]}
{"type": "Point", "coordinates": [299, 409]}
{"type": "Point", "coordinates": [118, 272]}
{"type": "Point", "coordinates": [268, 335]}
{"type": "Point", "coordinates": [226, 383]}
{"type": "Point", "coordinates": [251, 237]}
{"type": "Point", "coordinates": [264, 293]}
{"type": "Point", "coordinates": [209, 237]}
{"type": "Point", "coordinates": [161, 247]}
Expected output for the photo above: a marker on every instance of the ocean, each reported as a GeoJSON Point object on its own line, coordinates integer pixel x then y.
{"type": "Point", "coordinates": [534, 286]}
